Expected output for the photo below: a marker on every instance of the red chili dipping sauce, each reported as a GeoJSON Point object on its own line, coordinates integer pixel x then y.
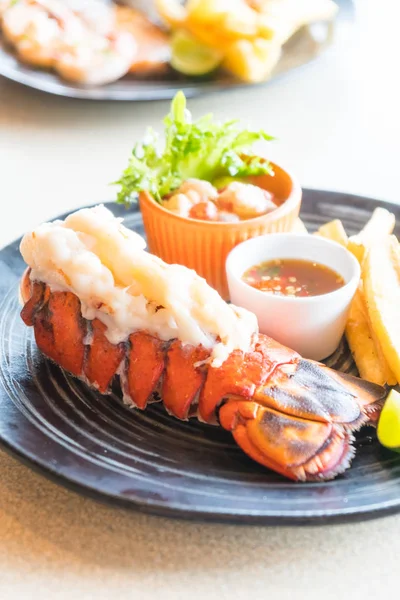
{"type": "Point", "coordinates": [293, 277]}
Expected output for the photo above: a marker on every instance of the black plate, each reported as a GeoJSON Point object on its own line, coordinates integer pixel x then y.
{"type": "Point", "coordinates": [305, 46]}
{"type": "Point", "coordinates": [153, 462]}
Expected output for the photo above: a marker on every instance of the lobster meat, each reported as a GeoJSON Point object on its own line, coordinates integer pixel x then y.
{"type": "Point", "coordinates": [292, 415]}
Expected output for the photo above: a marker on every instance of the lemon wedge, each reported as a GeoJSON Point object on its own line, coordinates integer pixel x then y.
{"type": "Point", "coordinates": [190, 57]}
{"type": "Point", "coordinates": [389, 422]}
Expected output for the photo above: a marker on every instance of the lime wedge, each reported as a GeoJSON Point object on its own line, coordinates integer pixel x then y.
{"type": "Point", "coordinates": [190, 57]}
{"type": "Point", "coordinates": [389, 422]}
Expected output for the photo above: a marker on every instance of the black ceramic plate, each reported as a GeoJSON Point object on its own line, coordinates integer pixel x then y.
{"type": "Point", "coordinates": [153, 462]}
{"type": "Point", "coordinates": [301, 49]}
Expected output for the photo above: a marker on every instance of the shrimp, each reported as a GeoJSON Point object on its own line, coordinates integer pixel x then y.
{"type": "Point", "coordinates": [47, 33]}
{"type": "Point", "coordinates": [35, 36]}
{"type": "Point", "coordinates": [245, 200]}
{"type": "Point", "coordinates": [205, 211]}
{"type": "Point", "coordinates": [4, 4]}
{"type": "Point", "coordinates": [97, 15]}
{"type": "Point", "coordinates": [227, 217]}
{"type": "Point", "coordinates": [180, 204]}
{"type": "Point", "coordinates": [97, 59]}
{"type": "Point", "coordinates": [153, 46]}
{"type": "Point", "coordinates": [204, 189]}
{"type": "Point", "coordinates": [190, 194]}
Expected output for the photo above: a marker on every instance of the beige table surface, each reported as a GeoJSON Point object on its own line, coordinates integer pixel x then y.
{"type": "Point", "coordinates": [338, 125]}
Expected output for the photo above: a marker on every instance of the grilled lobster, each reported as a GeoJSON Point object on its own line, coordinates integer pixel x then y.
{"type": "Point", "coordinates": [292, 415]}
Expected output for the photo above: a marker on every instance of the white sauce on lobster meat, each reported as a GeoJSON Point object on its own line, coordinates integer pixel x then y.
{"type": "Point", "coordinates": [105, 264]}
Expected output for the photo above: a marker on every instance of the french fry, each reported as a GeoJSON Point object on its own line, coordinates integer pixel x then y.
{"type": "Point", "coordinates": [373, 327]}
{"type": "Point", "coordinates": [388, 373]}
{"type": "Point", "coordinates": [381, 277]}
{"type": "Point", "coordinates": [235, 18]}
{"type": "Point", "coordinates": [366, 351]}
{"type": "Point", "coordinates": [363, 342]}
{"type": "Point", "coordinates": [299, 226]}
{"type": "Point", "coordinates": [358, 248]}
{"type": "Point", "coordinates": [380, 225]}
{"type": "Point", "coordinates": [252, 60]}
{"type": "Point", "coordinates": [334, 231]}
{"type": "Point", "coordinates": [249, 35]}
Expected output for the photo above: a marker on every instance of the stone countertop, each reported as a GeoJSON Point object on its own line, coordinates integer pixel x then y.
{"type": "Point", "coordinates": [338, 126]}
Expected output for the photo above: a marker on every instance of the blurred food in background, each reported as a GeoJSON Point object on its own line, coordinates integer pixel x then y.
{"type": "Point", "coordinates": [153, 48]}
{"type": "Point", "coordinates": [92, 42]}
{"type": "Point", "coordinates": [81, 41]}
{"type": "Point", "coordinates": [245, 37]}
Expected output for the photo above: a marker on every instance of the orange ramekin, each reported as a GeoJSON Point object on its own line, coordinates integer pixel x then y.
{"type": "Point", "coordinates": [205, 245]}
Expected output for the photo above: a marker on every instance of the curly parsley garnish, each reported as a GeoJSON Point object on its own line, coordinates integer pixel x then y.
{"type": "Point", "coordinates": [202, 149]}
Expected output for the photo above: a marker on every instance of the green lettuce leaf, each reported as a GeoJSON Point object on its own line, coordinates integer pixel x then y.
{"type": "Point", "coordinates": [203, 149]}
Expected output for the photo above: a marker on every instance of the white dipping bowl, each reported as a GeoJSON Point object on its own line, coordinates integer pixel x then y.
{"type": "Point", "coordinates": [314, 325]}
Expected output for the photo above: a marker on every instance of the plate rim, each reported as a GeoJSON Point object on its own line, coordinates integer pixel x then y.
{"type": "Point", "coordinates": [334, 517]}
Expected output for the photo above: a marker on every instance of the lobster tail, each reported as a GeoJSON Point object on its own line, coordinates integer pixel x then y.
{"type": "Point", "coordinates": [302, 450]}
{"type": "Point", "coordinates": [289, 414]}
{"type": "Point", "coordinates": [370, 396]}
{"type": "Point", "coordinates": [59, 326]}
{"type": "Point", "coordinates": [300, 421]}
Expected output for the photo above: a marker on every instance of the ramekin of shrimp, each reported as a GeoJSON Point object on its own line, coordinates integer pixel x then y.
{"type": "Point", "coordinates": [206, 191]}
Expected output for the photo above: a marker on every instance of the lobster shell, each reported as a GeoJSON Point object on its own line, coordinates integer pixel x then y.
{"type": "Point", "coordinates": [289, 414]}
